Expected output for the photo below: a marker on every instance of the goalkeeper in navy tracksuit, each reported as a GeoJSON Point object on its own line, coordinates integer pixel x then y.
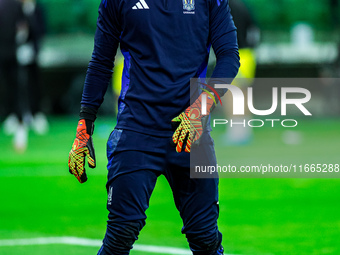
{"type": "Point", "coordinates": [165, 44]}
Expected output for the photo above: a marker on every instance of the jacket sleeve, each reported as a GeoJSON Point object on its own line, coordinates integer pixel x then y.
{"type": "Point", "coordinates": [106, 43]}
{"type": "Point", "coordinates": [223, 38]}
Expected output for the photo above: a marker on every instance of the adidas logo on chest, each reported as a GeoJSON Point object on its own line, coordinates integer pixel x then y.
{"type": "Point", "coordinates": [141, 4]}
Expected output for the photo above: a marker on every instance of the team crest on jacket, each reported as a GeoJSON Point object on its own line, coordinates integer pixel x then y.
{"type": "Point", "coordinates": [188, 6]}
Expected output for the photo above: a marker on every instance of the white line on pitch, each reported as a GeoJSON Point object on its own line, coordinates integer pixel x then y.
{"type": "Point", "coordinates": [89, 242]}
{"type": "Point", "coordinates": [71, 240]}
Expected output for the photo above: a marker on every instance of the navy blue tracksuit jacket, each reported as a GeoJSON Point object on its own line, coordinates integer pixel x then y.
{"type": "Point", "coordinates": [164, 43]}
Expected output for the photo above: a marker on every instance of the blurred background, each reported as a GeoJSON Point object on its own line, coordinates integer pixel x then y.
{"type": "Point", "coordinates": [295, 39]}
{"type": "Point", "coordinates": [45, 47]}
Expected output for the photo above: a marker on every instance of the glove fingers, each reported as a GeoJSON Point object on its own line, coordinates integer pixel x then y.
{"type": "Point", "coordinates": [192, 137]}
{"type": "Point", "coordinates": [181, 133]}
{"type": "Point", "coordinates": [176, 135]}
{"type": "Point", "coordinates": [188, 140]}
{"type": "Point", "coordinates": [196, 140]}
{"type": "Point", "coordinates": [179, 147]}
{"type": "Point", "coordinates": [91, 161]}
{"type": "Point", "coordinates": [70, 164]}
{"type": "Point", "coordinates": [188, 145]}
{"type": "Point", "coordinates": [181, 141]}
{"type": "Point", "coordinates": [80, 166]}
{"type": "Point", "coordinates": [91, 157]}
{"type": "Point", "coordinates": [177, 122]}
{"type": "Point", "coordinates": [177, 119]}
{"type": "Point", "coordinates": [76, 165]}
{"type": "Point", "coordinates": [72, 168]}
{"type": "Point", "coordinates": [83, 177]}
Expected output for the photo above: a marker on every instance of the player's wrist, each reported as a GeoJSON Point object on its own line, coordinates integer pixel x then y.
{"type": "Point", "coordinates": [206, 103]}
{"type": "Point", "coordinates": [89, 115]}
{"type": "Point", "coordinates": [218, 92]}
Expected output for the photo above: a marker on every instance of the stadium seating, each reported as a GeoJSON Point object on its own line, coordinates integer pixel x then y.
{"type": "Point", "coordinates": [69, 16]}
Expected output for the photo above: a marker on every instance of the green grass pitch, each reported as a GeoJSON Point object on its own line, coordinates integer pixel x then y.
{"type": "Point", "coordinates": [39, 198]}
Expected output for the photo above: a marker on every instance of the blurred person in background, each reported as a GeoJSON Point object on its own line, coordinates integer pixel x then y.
{"type": "Point", "coordinates": [330, 75]}
{"type": "Point", "coordinates": [13, 28]}
{"type": "Point", "coordinates": [27, 55]}
{"type": "Point", "coordinates": [248, 36]}
{"type": "Point", "coordinates": [334, 10]}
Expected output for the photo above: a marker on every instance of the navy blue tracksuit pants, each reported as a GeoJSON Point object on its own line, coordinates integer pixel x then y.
{"type": "Point", "coordinates": [134, 162]}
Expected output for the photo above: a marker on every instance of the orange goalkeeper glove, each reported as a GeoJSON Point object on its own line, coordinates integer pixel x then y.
{"type": "Point", "coordinates": [191, 123]}
{"type": "Point", "coordinates": [82, 146]}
